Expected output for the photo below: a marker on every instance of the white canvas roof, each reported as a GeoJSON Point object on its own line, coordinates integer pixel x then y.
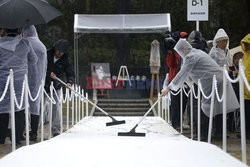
{"type": "Point", "coordinates": [121, 23]}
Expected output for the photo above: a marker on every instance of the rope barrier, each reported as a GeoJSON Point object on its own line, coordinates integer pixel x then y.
{"type": "Point", "coordinates": [5, 89]}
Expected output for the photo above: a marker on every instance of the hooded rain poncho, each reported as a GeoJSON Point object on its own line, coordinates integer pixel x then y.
{"type": "Point", "coordinates": [198, 65]}
{"type": "Point", "coordinates": [246, 62]}
{"type": "Point", "coordinates": [221, 56]}
{"type": "Point", "coordinates": [36, 72]}
{"type": "Point", "coordinates": [15, 53]}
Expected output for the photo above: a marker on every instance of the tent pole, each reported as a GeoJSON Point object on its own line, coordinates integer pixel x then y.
{"type": "Point", "coordinates": [75, 55]}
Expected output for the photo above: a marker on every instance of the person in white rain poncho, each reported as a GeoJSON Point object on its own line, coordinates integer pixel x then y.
{"type": "Point", "coordinates": [220, 52]}
{"type": "Point", "coordinates": [221, 55]}
{"type": "Point", "coordinates": [15, 53]}
{"type": "Point", "coordinates": [198, 65]}
{"type": "Point", "coordinates": [36, 74]}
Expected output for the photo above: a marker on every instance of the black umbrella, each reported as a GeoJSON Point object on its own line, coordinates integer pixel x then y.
{"type": "Point", "coordinates": [20, 13]}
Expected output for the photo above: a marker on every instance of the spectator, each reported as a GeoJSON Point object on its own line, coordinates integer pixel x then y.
{"type": "Point", "coordinates": [221, 55]}
{"type": "Point", "coordinates": [245, 44]}
{"type": "Point", "coordinates": [36, 74]}
{"type": "Point", "coordinates": [198, 65]}
{"type": "Point", "coordinates": [197, 41]}
{"type": "Point", "coordinates": [15, 53]}
{"type": "Point", "coordinates": [173, 61]}
{"type": "Point", "coordinates": [58, 64]}
{"type": "Point", "coordinates": [220, 52]}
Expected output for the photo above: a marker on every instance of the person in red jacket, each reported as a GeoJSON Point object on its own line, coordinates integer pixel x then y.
{"type": "Point", "coordinates": [173, 62]}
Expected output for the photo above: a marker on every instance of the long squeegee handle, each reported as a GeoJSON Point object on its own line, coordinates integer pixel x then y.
{"type": "Point", "coordinates": [83, 97]}
{"type": "Point", "coordinates": [148, 111]}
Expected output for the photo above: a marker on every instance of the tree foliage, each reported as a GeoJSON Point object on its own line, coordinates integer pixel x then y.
{"type": "Point", "coordinates": [231, 15]}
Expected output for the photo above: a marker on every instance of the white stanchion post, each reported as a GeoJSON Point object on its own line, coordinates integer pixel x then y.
{"type": "Point", "coordinates": [76, 105]}
{"type": "Point", "coordinates": [242, 116]}
{"type": "Point", "coordinates": [50, 110]}
{"type": "Point", "coordinates": [181, 110]}
{"type": "Point", "coordinates": [199, 113]}
{"type": "Point", "coordinates": [26, 102]}
{"type": "Point", "coordinates": [162, 107]}
{"type": "Point", "coordinates": [210, 127]}
{"type": "Point", "coordinates": [79, 104]}
{"type": "Point", "coordinates": [224, 115]}
{"type": "Point", "coordinates": [67, 102]}
{"type": "Point", "coordinates": [169, 107]}
{"type": "Point", "coordinates": [61, 110]}
{"type": "Point", "coordinates": [12, 112]}
{"type": "Point", "coordinates": [159, 106]}
{"type": "Point", "coordinates": [72, 107]}
{"type": "Point", "coordinates": [82, 104]}
{"type": "Point", "coordinates": [191, 112]}
{"type": "Point", "coordinates": [42, 111]}
{"type": "Point", "coordinates": [87, 104]}
{"type": "Point", "coordinates": [166, 106]}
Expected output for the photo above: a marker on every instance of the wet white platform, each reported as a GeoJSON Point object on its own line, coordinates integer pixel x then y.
{"type": "Point", "coordinates": [91, 144]}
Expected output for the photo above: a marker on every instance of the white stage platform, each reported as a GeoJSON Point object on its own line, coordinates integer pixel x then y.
{"type": "Point", "coordinates": [91, 144]}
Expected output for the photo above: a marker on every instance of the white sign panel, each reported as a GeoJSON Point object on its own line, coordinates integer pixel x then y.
{"type": "Point", "coordinates": [197, 10]}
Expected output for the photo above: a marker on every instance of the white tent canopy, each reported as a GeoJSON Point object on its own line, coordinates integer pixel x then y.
{"type": "Point", "coordinates": [130, 23]}
{"type": "Point", "coordinates": [118, 23]}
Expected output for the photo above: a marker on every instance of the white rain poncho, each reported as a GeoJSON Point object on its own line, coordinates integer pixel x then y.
{"type": "Point", "coordinates": [198, 65]}
{"type": "Point", "coordinates": [15, 52]}
{"type": "Point", "coordinates": [221, 56]}
{"type": "Point", "coordinates": [36, 72]}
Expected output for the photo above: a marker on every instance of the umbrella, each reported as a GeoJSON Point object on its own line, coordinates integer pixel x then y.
{"type": "Point", "coordinates": [20, 13]}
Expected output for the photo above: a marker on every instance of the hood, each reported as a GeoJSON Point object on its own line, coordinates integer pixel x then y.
{"type": "Point", "coordinates": [194, 37]}
{"type": "Point", "coordinates": [182, 47]}
{"type": "Point", "coordinates": [220, 35]}
{"type": "Point", "coordinates": [246, 39]}
{"type": "Point", "coordinates": [29, 31]}
{"type": "Point", "coordinates": [10, 43]}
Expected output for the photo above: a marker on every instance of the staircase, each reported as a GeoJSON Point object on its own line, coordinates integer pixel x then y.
{"type": "Point", "coordinates": [123, 107]}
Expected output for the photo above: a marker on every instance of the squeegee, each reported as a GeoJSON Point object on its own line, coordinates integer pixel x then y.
{"type": "Point", "coordinates": [132, 132]}
{"type": "Point", "coordinates": [114, 121]}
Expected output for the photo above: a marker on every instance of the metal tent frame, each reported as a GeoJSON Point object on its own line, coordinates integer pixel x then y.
{"type": "Point", "coordinates": [117, 23]}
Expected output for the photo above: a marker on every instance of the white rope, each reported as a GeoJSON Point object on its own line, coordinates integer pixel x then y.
{"type": "Point", "coordinates": [66, 95]}
{"type": "Point", "coordinates": [202, 92]}
{"type": "Point", "coordinates": [229, 78]}
{"type": "Point", "coordinates": [5, 89]}
{"type": "Point", "coordinates": [52, 100]}
{"type": "Point", "coordinates": [38, 93]}
{"type": "Point", "coordinates": [22, 97]}
{"type": "Point", "coordinates": [216, 92]}
{"type": "Point", "coordinates": [186, 93]}
{"type": "Point", "coordinates": [176, 92]}
{"type": "Point", "coordinates": [195, 96]}
{"type": "Point", "coordinates": [59, 99]}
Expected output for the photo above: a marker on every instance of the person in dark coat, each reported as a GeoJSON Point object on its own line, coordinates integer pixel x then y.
{"type": "Point", "coordinates": [196, 40]}
{"type": "Point", "coordinates": [59, 65]}
{"type": "Point", "coordinates": [173, 62]}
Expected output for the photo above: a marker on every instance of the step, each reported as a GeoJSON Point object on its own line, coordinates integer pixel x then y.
{"type": "Point", "coordinates": [124, 109]}
{"type": "Point", "coordinates": [124, 114]}
{"type": "Point", "coordinates": [123, 100]}
{"type": "Point", "coordinates": [123, 105]}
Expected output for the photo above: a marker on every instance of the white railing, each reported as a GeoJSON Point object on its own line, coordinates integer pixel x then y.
{"type": "Point", "coordinates": [60, 98]}
{"type": "Point", "coordinates": [214, 94]}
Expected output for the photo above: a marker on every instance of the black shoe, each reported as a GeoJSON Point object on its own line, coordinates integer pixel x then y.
{"type": "Point", "coordinates": [56, 134]}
